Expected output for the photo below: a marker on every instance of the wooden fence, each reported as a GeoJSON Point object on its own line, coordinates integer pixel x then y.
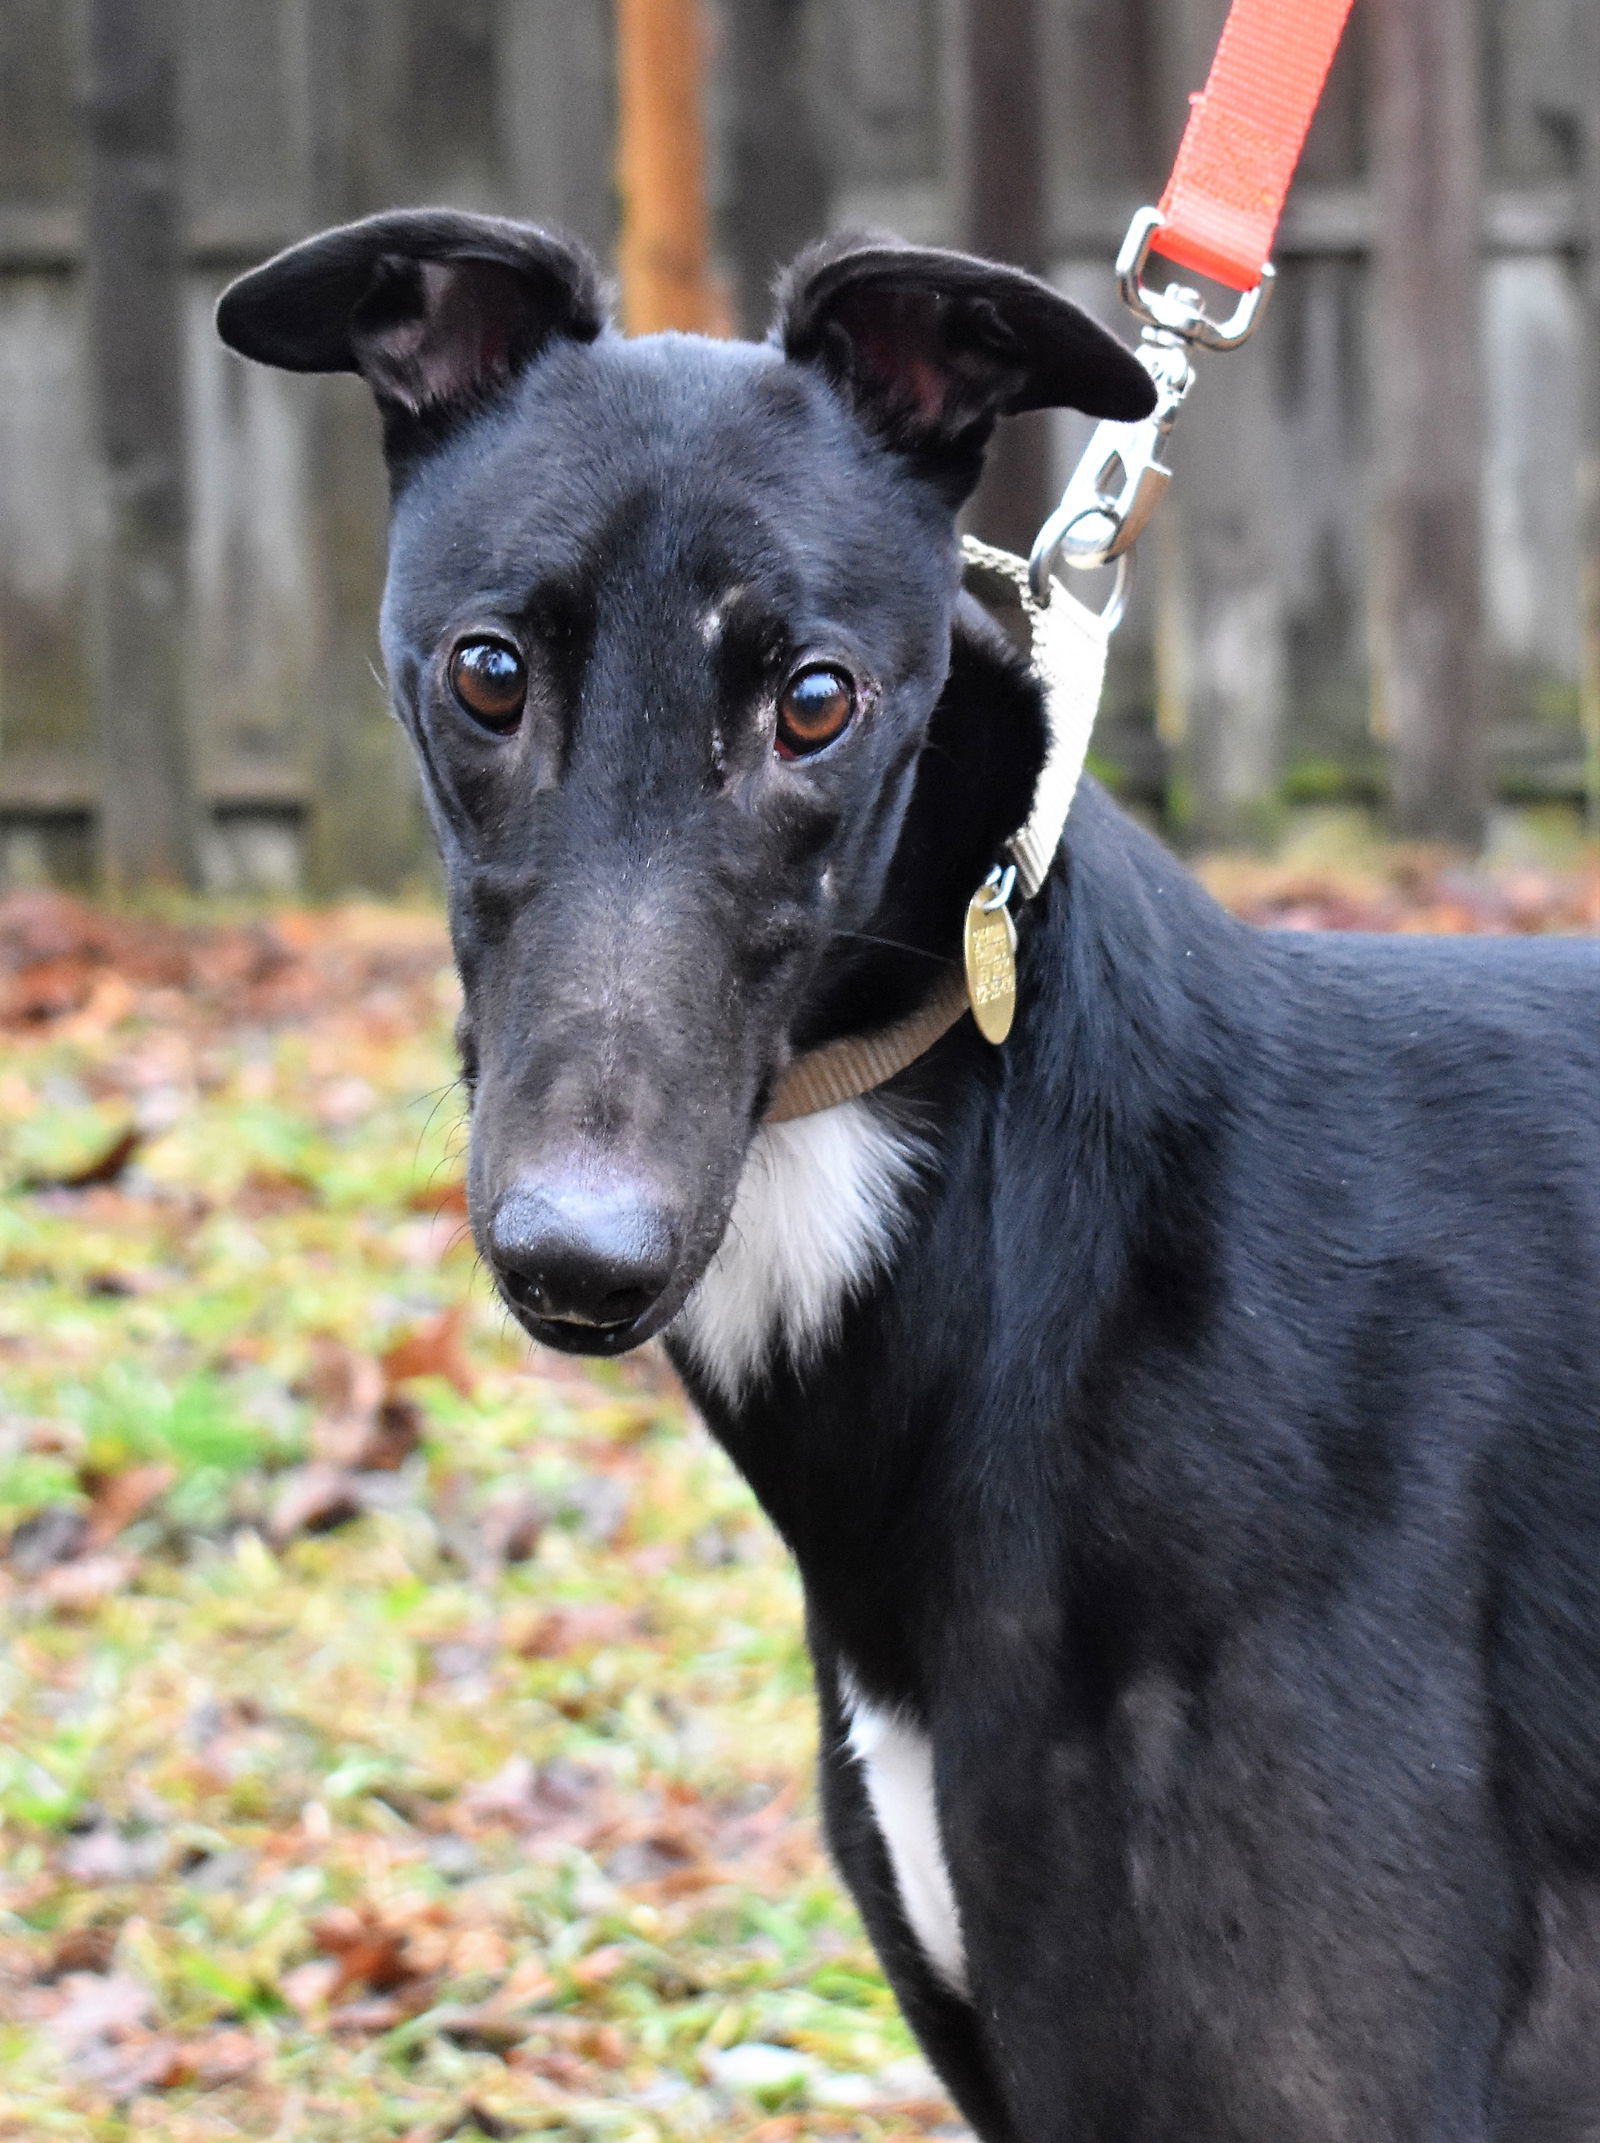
{"type": "Point", "coordinates": [1243, 675]}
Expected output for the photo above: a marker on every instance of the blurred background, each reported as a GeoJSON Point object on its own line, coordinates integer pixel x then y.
{"type": "Point", "coordinates": [1366, 590]}
{"type": "Point", "coordinates": [404, 1734]}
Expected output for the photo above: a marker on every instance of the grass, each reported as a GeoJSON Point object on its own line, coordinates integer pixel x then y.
{"type": "Point", "coordinates": [474, 1801]}
{"type": "Point", "coordinates": [403, 1736]}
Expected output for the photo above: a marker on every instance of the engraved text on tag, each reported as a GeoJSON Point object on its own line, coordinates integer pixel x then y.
{"type": "Point", "coordinates": [990, 945]}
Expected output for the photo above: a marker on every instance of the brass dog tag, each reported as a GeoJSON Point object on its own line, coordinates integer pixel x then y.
{"type": "Point", "coordinates": [990, 945]}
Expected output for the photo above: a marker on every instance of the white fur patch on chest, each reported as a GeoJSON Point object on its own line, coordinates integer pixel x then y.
{"type": "Point", "coordinates": [816, 1214]}
{"type": "Point", "coordinates": [896, 1760]}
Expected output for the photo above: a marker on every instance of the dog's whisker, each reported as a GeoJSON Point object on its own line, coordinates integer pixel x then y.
{"type": "Point", "coordinates": [866, 937]}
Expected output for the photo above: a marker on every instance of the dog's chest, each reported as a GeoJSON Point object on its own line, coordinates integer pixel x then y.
{"type": "Point", "coordinates": [819, 1207]}
{"type": "Point", "coordinates": [896, 1760]}
{"type": "Point", "coordinates": [817, 1212]}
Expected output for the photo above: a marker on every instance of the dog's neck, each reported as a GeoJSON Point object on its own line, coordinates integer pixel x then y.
{"type": "Point", "coordinates": [1016, 1162]}
{"type": "Point", "coordinates": [1064, 678]}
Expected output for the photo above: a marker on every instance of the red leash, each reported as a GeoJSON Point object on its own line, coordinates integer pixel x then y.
{"type": "Point", "coordinates": [1217, 218]}
{"type": "Point", "coordinates": [1245, 133]}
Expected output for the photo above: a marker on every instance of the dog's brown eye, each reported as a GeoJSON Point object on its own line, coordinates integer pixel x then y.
{"type": "Point", "coordinates": [491, 682]}
{"type": "Point", "coordinates": [814, 708]}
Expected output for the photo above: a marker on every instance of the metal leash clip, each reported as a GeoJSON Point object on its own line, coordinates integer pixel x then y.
{"type": "Point", "coordinates": [1178, 310]}
{"type": "Point", "coordinates": [1121, 479]}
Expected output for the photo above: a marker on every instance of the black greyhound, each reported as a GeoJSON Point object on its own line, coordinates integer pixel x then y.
{"type": "Point", "coordinates": [1186, 1417]}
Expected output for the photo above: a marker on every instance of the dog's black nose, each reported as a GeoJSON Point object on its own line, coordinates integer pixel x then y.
{"type": "Point", "coordinates": [582, 1253]}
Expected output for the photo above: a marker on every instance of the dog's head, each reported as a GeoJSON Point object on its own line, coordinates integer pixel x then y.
{"type": "Point", "coordinates": [668, 621]}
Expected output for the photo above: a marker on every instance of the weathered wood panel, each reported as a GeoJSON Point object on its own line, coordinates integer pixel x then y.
{"type": "Point", "coordinates": [1586, 72]}
{"type": "Point", "coordinates": [555, 72]}
{"type": "Point", "coordinates": [773, 124]}
{"type": "Point", "coordinates": [883, 85]}
{"type": "Point", "coordinates": [46, 495]}
{"type": "Point", "coordinates": [46, 515]}
{"type": "Point", "coordinates": [149, 821]}
{"type": "Point", "coordinates": [1250, 628]}
{"type": "Point", "coordinates": [1427, 399]}
{"type": "Point", "coordinates": [245, 123]}
{"type": "Point", "coordinates": [252, 564]}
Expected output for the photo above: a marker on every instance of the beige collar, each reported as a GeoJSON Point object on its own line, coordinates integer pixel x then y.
{"type": "Point", "coordinates": [1069, 658]}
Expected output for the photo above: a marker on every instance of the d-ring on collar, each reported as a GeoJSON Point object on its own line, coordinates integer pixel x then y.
{"type": "Point", "coordinates": [1069, 643]}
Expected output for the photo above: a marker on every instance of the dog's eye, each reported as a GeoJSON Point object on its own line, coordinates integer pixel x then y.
{"type": "Point", "coordinates": [491, 681]}
{"type": "Point", "coordinates": [813, 709]}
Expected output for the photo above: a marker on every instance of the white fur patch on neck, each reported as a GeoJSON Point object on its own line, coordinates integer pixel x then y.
{"type": "Point", "coordinates": [816, 1214]}
{"type": "Point", "coordinates": [896, 1760]}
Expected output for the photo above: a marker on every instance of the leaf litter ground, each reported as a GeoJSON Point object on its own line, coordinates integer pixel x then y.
{"type": "Point", "coordinates": [405, 1735]}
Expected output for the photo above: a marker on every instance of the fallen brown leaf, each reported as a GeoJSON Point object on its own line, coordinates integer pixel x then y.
{"type": "Point", "coordinates": [361, 1424]}
{"type": "Point", "coordinates": [38, 923]}
{"type": "Point", "coordinates": [221, 2057]}
{"type": "Point", "coordinates": [106, 1167]}
{"type": "Point", "coordinates": [115, 1286]}
{"type": "Point", "coordinates": [160, 2063]}
{"type": "Point", "coordinates": [558, 1803]}
{"type": "Point", "coordinates": [567, 2071]}
{"type": "Point", "coordinates": [439, 1198]}
{"type": "Point", "coordinates": [116, 1499]}
{"type": "Point", "coordinates": [265, 1191]}
{"type": "Point", "coordinates": [368, 1951]}
{"type": "Point", "coordinates": [600, 1965]}
{"type": "Point", "coordinates": [47, 990]}
{"type": "Point", "coordinates": [53, 1535]}
{"type": "Point", "coordinates": [339, 1381]}
{"type": "Point", "coordinates": [306, 1987]}
{"type": "Point", "coordinates": [76, 1588]}
{"type": "Point", "coordinates": [433, 1350]}
{"type": "Point", "coordinates": [81, 1949]}
{"type": "Point", "coordinates": [476, 2120]}
{"type": "Point", "coordinates": [581, 1628]}
{"type": "Point", "coordinates": [509, 1528]}
{"type": "Point", "coordinates": [313, 1499]}
{"type": "Point", "coordinates": [393, 1434]}
{"type": "Point", "coordinates": [382, 2012]}
{"type": "Point", "coordinates": [98, 2006]}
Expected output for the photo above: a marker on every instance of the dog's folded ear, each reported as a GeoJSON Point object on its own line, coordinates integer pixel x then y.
{"type": "Point", "coordinates": [931, 347]}
{"type": "Point", "coordinates": [433, 308]}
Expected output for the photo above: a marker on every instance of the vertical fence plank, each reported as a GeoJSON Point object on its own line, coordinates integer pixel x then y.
{"type": "Point", "coordinates": [1097, 85]}
{"type": "Point", "coordinates": [886, 84]}
{"type": "Point", "coordinates": [557, 115]}
{"type": "Point", "coordinates": [1224, 685]}
{"type": "Point", "coordinates": [250, 651]}
{"type": "Point", "coordinates": [1222, 650]}
{"type": "Point", "coordinates": [148, 820]}
{"type": "Point", "coordinates": [1006, 219]}
{"type": "Point", "coordinates": [1589, 390]}
{"type": "Point", "coordinates": [366, 825]}
{"type": "Point", "coordinates": [297, 112]}
{"type": "Point", "coordinates": [1427, 406]}
{"type": "Point", "coordinates": [40, 150]}
{"type": "Point", "coordinates": [664, 254]}
{"type": "Point", "coordinates": [46, 492]}
{"type": "Point", "coordinates": [777, 194]}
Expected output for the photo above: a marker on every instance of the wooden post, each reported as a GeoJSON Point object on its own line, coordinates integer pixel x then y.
{"type": "Point", "coordinates": [1007, 219]}
{"type": "Point", "coordinates": [149, 830]}
{"type": "Point", "coordinates": [1430, 703]}
{"type": "Point", "coordinates": [555, 94]}
{"type": "Point", "coordinates": [365, 828]}
{"type": "Point", "coordinates": [664, 253]}
{"type": "Point", "coordinates": [777, 182]}
{"type": "Point", "coordinates": [1221, 642]}
{"type": "Point", "coordinates": [1589, 449]}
